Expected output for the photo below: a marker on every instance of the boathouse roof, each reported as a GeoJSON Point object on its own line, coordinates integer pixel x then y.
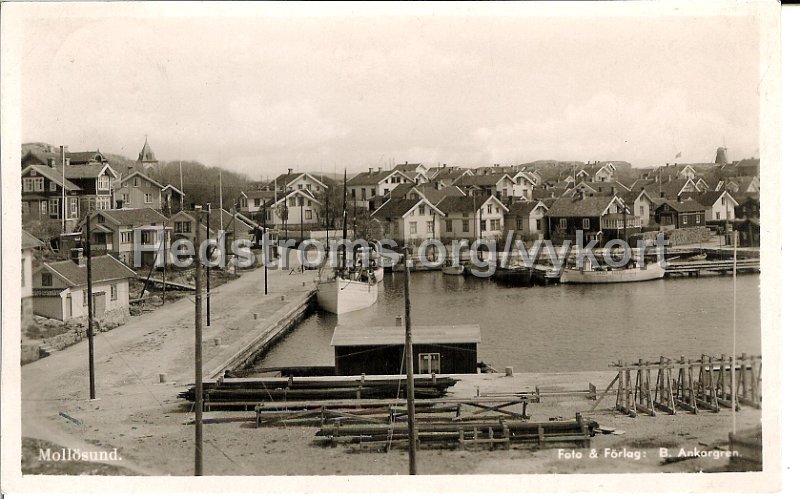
{"type": "Point", "coordinates": [393, 335]}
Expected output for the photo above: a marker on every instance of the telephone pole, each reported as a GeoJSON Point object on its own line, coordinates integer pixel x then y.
{"type": "Point", "coordinates": [208, 267]}
{"type": "Point", "coordinates": [264, 246]}
{"type": "Point", "coordinates": [90, 303]}
{"type": "Point", "coordinates": [198, 351]}
{"type": "Point", "coordinates": [412, 433]}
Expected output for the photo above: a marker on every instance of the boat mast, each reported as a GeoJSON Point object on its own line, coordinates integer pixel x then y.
{"type": "Point", "coordinates": [344, 220]}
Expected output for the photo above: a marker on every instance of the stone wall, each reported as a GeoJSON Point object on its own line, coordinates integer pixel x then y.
{"type": "Point", "coordinates": [75, 331]}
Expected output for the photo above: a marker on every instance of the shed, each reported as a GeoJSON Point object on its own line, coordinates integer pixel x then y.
{"type": "Point", "coordinates": [379, 349]}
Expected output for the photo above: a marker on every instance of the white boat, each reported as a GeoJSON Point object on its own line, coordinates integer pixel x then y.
{"type": "Point", "coordinates": [453, 270]}
{"type": "Point", "coordinates": [340, 295]}
{"type": "Point", "coordinates": [378, 272]}
{"type": "Point", "coordinates": [609, 275]}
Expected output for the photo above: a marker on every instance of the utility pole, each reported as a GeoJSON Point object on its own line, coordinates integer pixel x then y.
{"type": "Point", "coordinates": [412, 433]}
{"type": "Point", "coordinates": [63, 191]}
{"type": "Point", "coordinates": [302, 208]}
{"type": "Point", "coordinates": [90, 303]}
{"type": "Point", "coordinates": [164, 263]}
{"type": "Point", "coordinates": [264, 246]}
{"type": "Point", "coordinates": [198, 351]}
{"type": "Point", "coordinates": [208, 267]}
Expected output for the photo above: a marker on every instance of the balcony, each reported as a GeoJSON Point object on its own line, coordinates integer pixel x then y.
{"type": "Point", "coordinates": [620, 221]}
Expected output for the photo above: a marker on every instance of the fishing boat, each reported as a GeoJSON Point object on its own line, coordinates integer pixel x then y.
{"type": "Point", "coordinates": [378, 273]}
{"type": "Point", "coordinates": [608, 275]}
{"type": "Point", "coordinates": [347, 289]}
{"type": "Point", "coordinates": [516, 275]}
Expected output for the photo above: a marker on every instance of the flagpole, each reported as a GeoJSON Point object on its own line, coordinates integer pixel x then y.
{"type": "Point", "coordinates": [180, 169]}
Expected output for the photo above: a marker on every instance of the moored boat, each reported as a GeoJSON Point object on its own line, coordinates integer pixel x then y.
{"type": "Point", "coordinates": [545, 274]}
{"type": "Point", "coordinates": [340, 295]}
{"type": "Point", "coordinates": [453, 270]}
{"type": "Point", "coordinates": [607, 275]}
{"type": "Point", "coordinates": [517, 275]}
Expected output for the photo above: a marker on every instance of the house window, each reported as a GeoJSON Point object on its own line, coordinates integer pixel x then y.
{"type": "Point", "coordinates": [412, 227]}
{"type": "Point", "coordinates": [495, 224]}
{"type": "Point", "coordinates": [27, 184]}
{"type": "Point", "coordinates": [586, 223]}
{"type": "Point", "coordinates": [519, 223]}
{"type": "Point", "coordinates": [430, 227]}
{"type": "Point", "coordinates": [99, 238]}
{"type": "Point", "coordinates": [126, 198]}
{"type": "Point", "coordinates": [697, 219]}
{"type": "Point", "coordinates": [301, 201]}
{"type": "Point", "coordinates": [525, 193]}
{"type": "Point", "coordinates": [505, 192]}
{"type": "Point", "coordinates": [54, 207]}
{"type": "Point", "coordinates": [430, 363]}
{"type": "Point", "coordinates": [256, 202]}
{"type": "Point", "coordinates": [136, 181]}
{"type": "Point", "coordinates": [489, 209]}
{"type": "Point", "coordinates": [38, 184]}
{"type": "Point", "coordinates": [372, 190]}
{"type": "Point", "coordinates": [43, 208]}
{"type": "Point", "coordinates": [363, 193]}
{"type": "Point", "coordinates": [148, 197]}
{"type": "Point", "coordinates": [483, 225]}
{"type": "Point", "coordinates": [422, 209]}
{"type": "Point", "coordinates": [101, 219]}
{"type": "Point", "coordinates": [53, 187]}
{"type": "Point", "coordinates": [25, 208]}
{"type": "Point", "coordinates": [73, 207]}
{"type": "Point", "coordinates": [22, 267]}
{"type": "Point", "coordinates": [102, 183]}
{"type": "Point", "coordinates": [292, 202]}
{"type": "Point", "coordinates": [538, 224]}
{"type": "Point", "coordinates": [47, 279]}
{"type": "Point", "coordinates": [684, 220]}
{"type": "Point", "coordinates": [127, 236]}
{"type": "Point", "coordinates": [717, 213]}
{"type": "Point", "coordinates": [385, 191]}
{"type": "Point", "coordinates": [465, 225]}
{"type": "Point", "coordinates": [353, 192]}
{"type": "Point", "coordinates": [309, 215]}
{"type": "Point", "coordinates": [641, 211]}
{"type": "Point", "coordinates": [113, 292]}
{"type": "Point", "coordinates": [85, 300]}
{"type": "Point", "coordinates": [562, 223]}
{"type": "Point", "coordinates": [448, 226]}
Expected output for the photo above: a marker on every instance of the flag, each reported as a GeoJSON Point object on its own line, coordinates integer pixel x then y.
{"type": "Point", "coordinates": [677, 155]}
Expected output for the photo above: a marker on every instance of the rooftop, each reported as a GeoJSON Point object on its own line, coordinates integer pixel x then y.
{"type": "Point", "coordinates": [104, 268]}
{"type": "Point", "coordinates": [393, 335]}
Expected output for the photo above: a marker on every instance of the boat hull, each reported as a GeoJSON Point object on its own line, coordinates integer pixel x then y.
{"type": "Point", "coordinates": [378, 273]}
{"type": "Point", "coordinates": [514, 276]}
{"type": "Point", "coordinates": [340, 296]}
{"type": "Point", "coordinates": [651, 272]}
{"type": "Point", "coordinates": [457, 270]}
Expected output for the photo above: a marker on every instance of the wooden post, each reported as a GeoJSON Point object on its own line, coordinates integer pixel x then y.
{"type": "Point", "coordinates": [208, 267]}
{"type": "Point", "coordinates": [412, 434]}
{"type": "Point", "coordinates": [198, 351]}
{"type": "Point", "coordinates": [90, 303]}
{"type": "Point", "coordinates": [164, 263]}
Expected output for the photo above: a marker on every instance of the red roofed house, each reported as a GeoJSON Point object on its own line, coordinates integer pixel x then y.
{"type": "Point", "coordinates": [60, 289]}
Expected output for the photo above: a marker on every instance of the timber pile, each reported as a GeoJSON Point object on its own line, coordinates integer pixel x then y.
{"type": "Point", "coordinates": [245, 393]}
{"type": "Point", "coordinates": [321, 412]}
{"type": "Point", "coordinates": [462, 435]}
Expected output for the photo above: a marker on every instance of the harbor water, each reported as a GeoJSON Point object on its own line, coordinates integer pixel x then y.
{"type": "Point", "coordinates": [556, 328]}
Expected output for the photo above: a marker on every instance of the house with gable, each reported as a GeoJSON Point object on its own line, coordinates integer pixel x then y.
{"type": "Point", "coordinates": [599, 217]}
{"type": "Point", "coordinates": [524, 184]}
{"type": "Point", "coordinates": [673, 214]}
{"type": "Point", "coordinates": [415, 171]}
{"type": "Point", "coordinates": [375, 183]}
{"type": "Point", "coordinates": [46, 194]}
{"type": "Point", "coordinates": [292, 181]}
{"type": "Point", "coordinates": [409, 221]}
{"type": "Point", "coordinates": [60, 289]}
{"type": "Point", "coordinates": [472, 217]}
{"type": "Point", "coordinates": [526, 219]}
{"type": "Point", "coordinates": [118, 232]}
{"type": "Point", "coordinates": [720, 206]}
{"type": "Point", "coordinates": [500, 185]}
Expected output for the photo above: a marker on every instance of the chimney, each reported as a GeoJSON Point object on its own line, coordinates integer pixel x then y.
{"type": "Point", "coordinates": [581, 195]}
{"type": "Point", "coordinates": [680, 196]}
{"type": "Point", "coordinates": [370, 169]}
{"type": "Point", "coordinates": [76, 255]}
{"type": "Point", "coordinates": [291, 170]}
{"type": "Point", "coordinates": [380, 168]}
{"type": "Point", "coordinates": [66, 161]}
{"type": "Point", "coordinates": [663, 194]}
{"type": "Point", "coordinates": [613, 191]}
{"type": "Point", "coordinates": [406, 161]}
{"type": "Point", "coordinates": [51, 162]}
{"type": "Point", "coordinates": [444, 165]}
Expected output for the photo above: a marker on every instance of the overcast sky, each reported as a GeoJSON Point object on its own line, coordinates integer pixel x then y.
{"type": "Point", "coordinates": [258, 95]}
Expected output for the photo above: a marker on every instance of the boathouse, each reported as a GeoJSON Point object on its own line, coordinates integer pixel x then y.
{"type": "Point", "coordinates": [379, 349]}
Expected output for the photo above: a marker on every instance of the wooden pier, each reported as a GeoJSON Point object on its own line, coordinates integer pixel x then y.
{"type": "Point", "coordinates": [716, 266]}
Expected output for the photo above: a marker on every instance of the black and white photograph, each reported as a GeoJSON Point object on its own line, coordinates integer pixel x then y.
{"type": "Point", "coordinates": [306, 241]}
